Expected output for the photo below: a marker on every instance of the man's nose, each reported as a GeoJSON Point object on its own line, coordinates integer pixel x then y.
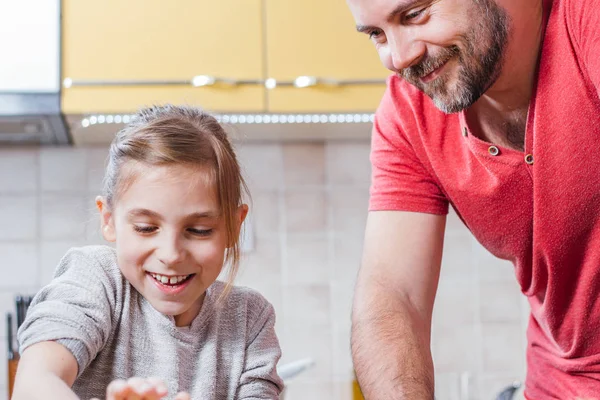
{"type": "Point", "coordinates": [405, 51]}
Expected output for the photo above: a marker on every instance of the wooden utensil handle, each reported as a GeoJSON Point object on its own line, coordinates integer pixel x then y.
{"type": "Point", "coordinates": [12, 372]}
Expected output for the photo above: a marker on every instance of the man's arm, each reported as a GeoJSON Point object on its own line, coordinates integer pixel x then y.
{"type": "Point", "coordinates": [393, 305]}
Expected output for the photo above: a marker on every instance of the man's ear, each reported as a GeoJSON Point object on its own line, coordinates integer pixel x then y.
{"type": "Point", "coordinates": [107, 223]}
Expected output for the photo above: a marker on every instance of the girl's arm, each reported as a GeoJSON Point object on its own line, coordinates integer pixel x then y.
{"type": "Point", "coordinates": [46, 371]}
{"type": "Point", "coordinates": [260, 379]}
{"type": "Point", "coordinates": [67, 325]}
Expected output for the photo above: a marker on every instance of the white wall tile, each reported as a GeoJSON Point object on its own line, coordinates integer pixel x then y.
{"type": "Point", "coordinates": [500, 302]}
{"type": "Point", "coordinates": [342, 295]}
{"type": "Point", "coordinates": [314, 342]}
{"type": "Point", "coordinates": [308, 304]}
{"type": "Point", "coordinates": [453, 222]}
{"type": "Point", "coordinates": [342, 355]}
{"type": "Point", "coordinates": [491, 268]}
{"type": "Point", "coordinates": [265, 213]}
{"type": "Point", "coordinates": [306, 211]}
{"type": "Point", "coordinates": [304, 390]}
{"type": "Point", "coordinates": [525, 316]}
{"type": "Point", "coordinates": [447, 386]}
{"type": "Point", "coordinates": [262, 165]}
{"type": "Point", "coordinates": [454, 350]}
{"type": "Point", "coordinates": [347, 255]}
{"type": "Point", "coordinates": [349, 209]}
{"type": "Point", "coordinates": [63, 170]}
{"type": "Point", "coordinates": [3, 368]}
{"type": "Point", "coordinates": [307, 259]}
{"type": "Point", "coordinates": [455, 304]}
{"type": "Point", "coordinates": [304, 164]}
{"type": "Point", "coordinates": [503, 347]}
{"type": "Point", "coordinates": [19, 265]}
{"type": "Point", "coordinates": [64, 216]}
{"type": "Point", "coordinates": [263, 265]}
{"type": "Point", "coordinates": [457, 259]}
{"type": "Point", "coordinates": [348, 163]}
{"type": "Point", "coordinates": [18, 171]}
{"type": "Point", "coordinates": [342, 390]}
{"type": "Point", "coordinates": [18, 217]}
{"type": "Point", "coordinates": [96, 164]}
{"type": "Point", "coordinates": [308, 328]}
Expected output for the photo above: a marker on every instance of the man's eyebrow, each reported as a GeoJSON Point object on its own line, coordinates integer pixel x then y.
{"type": "Point", "coordinates": [399, 9]}
{"type": "Point", "coordinates": [364, 28]}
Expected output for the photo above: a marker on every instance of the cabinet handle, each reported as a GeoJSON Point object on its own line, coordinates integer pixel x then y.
{"type": "Point", "coordinates": [196, 81]}
{"type": "Point", "coordinates": [303, 81]}
{"type": "Point", "coordinates": [306, 81]}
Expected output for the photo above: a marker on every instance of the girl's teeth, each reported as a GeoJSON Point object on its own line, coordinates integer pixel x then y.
{"type": "Point", "coordinates": [169, 280]}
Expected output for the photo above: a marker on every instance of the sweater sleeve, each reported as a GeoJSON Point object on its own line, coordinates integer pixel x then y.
{"type": "Point", "coordinates": [76, 309]}
{"type": "Point", "coordinates": [259, 378]}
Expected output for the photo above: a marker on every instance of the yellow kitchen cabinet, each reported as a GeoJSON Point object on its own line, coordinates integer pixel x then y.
{"type": "Point", "coordinates": [317, 38]}
{"type": "Point", "coordinates": [158, 41]}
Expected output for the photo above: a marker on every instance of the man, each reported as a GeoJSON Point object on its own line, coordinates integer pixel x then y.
{"type": "Point", "coordinates": [494, 108]}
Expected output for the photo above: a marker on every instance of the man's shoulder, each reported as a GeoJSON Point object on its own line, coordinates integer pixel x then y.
{"type": "Point", "coordinates": [407, 107]}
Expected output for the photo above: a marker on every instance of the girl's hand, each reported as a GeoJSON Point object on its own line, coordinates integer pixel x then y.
{"type": "Point", "coordinates": [139, 389]}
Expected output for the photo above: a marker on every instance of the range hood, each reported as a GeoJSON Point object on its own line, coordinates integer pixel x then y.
{"type": "Point", "coordinates": [30, 73]}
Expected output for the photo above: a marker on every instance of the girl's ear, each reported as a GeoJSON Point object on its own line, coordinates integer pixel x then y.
{"type": "Point", "coordinates": [242, 214]}
{"type": "Point", "coordinates": [107, 224]}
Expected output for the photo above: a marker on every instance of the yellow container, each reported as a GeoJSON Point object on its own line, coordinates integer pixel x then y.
{"type": "Point", "coordinates": [356, 392]}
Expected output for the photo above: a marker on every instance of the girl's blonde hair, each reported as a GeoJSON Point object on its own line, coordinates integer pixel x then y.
{"type": "Point", "coordinates": [170, 134]}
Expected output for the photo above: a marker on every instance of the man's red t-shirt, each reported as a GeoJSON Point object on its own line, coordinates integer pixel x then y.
{"type": "Point", "coordinates": [539, 208]}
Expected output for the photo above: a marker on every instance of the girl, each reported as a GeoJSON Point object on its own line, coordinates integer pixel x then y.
{"type": "Point", "coordinates": [147, 319]}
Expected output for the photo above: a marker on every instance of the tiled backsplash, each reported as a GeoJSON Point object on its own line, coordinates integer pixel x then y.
{"type": "Point", "coordinates": [309, 203]}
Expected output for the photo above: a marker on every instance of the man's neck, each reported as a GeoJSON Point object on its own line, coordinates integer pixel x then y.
{"type": "Point", "coordinates": [500, 115]}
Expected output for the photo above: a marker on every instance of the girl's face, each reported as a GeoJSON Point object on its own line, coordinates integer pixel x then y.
{"type": "Point", "coordinates": [169, 234]}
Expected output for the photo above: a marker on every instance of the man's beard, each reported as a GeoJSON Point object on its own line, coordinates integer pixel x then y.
{"type": "Point", "coordinates": [479, 61]}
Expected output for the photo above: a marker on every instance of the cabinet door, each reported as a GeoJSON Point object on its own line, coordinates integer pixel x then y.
{"type": "Point", "coordinates": [158, 40]}
{"type": "Point", "coordinates": [318, 38]}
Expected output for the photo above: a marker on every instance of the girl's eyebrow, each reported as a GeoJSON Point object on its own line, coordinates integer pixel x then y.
{"type": "Point", "coordinates": [202, 215]}
{"type": "Point", "coordinates": [143, 212]}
